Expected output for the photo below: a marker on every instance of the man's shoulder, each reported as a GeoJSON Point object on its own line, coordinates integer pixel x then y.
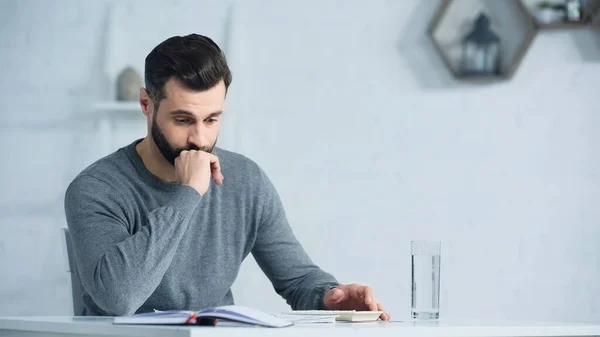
{"type": "Point", "coordinates": [108, 170]}
{"type": "Point", "coordinates": [245, 173]}
{"type": "Point", "coordinates": [231, 155]}
{"type": "Point", "coordinates": [234, 161]}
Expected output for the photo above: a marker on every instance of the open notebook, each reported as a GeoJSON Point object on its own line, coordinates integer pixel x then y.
{"type": "Point", "coordinates": [209, 316]}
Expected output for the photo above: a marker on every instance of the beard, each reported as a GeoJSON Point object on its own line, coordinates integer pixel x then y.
{"type": "Point", "coordinates": [169, 152]}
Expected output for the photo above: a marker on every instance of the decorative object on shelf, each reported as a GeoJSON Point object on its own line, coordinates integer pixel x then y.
{"type": "Point", "coordinates": [564, 14]}
{"type": "Point", "coordinates": [129, 83]}
{"type": "Point", "coordinates": [573, 9]}
{"type": "Point", "coordinates": [481, 50]}
{"type": "Point", "coordinates": [491, 46]}
{"type": "Point", "coordinates": [547, 13]}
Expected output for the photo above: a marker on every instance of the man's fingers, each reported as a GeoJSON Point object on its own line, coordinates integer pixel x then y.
{"type": "Point", "coordinates": [214, 160]}
{"type": "Point", "coordinates": [372, 305]}
{"type": "Point", "coordinates": [334, 297]}
{"type": "Point", "coordinates": [217, 175]}
{"type": "Point", "coordinates": [355, 291]}
{"type": "Point", "coordinates": [215, 167]}
{"type": "Point", "coordinates": [338, 295]}
{"type": "Point", "coordinates": [367, 294]}
{"type": "Point", "coordinates": [384, 316]}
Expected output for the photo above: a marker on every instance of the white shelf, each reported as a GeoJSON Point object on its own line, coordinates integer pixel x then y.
{"type": "Point", "coordinates": [109, 113]}
{"type": "Point", "coordinates": [116, 110]}
{"type": "Point", "coordinates": [117, 107]}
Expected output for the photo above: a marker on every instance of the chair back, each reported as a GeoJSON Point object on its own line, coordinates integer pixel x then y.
{"type": "Point", "coordinates": [76, 289]}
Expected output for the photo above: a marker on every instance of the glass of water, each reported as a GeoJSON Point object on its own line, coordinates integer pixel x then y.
{"type": "Point", "coordinates": [425, 295]}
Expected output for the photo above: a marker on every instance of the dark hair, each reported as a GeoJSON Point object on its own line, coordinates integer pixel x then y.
{"type": "Point", "coordinates": [195, 60]}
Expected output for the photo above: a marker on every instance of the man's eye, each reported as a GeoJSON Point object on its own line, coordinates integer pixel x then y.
{"type": "Point", "coordinates": [182, 120]}
{"type": "Point", "coordinates": [211, 120]}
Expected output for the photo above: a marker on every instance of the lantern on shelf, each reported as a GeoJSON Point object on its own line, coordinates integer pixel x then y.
{"type": "Point", "coordinates": [480, 50]}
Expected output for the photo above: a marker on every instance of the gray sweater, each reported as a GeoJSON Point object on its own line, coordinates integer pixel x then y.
{"type": "Point", "coordinates": [142, 243]}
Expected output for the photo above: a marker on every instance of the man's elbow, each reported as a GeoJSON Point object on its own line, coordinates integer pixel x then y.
{"type": "Point", "coordinates": [114, 298]}
{"type": "Point", "coordinates": [116, 305]}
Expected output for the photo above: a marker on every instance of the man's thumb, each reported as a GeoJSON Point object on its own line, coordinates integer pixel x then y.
{"type": "Point", "coordinates": [337, 295]}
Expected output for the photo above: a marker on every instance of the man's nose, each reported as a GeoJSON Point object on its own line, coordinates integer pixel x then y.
{"type": "Point", "coordinates": [197, 139]}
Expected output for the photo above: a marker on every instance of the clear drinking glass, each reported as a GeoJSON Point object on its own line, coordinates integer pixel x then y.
{"type": "Point", "coordinates": [425, 295]}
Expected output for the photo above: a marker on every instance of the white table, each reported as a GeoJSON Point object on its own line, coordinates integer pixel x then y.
{"type": "Point", "coordinates": [58, 326]}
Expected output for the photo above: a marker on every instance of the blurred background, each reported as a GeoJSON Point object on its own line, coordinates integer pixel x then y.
{"type": "Point", "coordinates": [371, 134]}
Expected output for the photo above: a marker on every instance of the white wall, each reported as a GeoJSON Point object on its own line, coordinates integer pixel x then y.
{"type": "Point", "coordinates": [368, 139]}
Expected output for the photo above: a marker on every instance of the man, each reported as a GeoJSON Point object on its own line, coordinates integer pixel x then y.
{"type": "Point", "coordinates": [166, 221]}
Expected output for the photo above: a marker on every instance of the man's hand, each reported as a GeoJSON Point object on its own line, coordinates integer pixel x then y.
{"type": "Point", "coordinates": [353, 297]}
{"type": "Point", "coordinates": [195, 168]}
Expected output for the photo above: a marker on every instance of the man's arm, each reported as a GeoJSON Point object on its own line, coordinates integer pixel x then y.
{"type": "Point", "coordinates": [282, 258]}
{"type": "Point", "coordinates": [119, 270]}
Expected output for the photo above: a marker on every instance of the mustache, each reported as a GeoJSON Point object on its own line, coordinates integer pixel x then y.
{"type": "Point", "coordinates": [193, 147]}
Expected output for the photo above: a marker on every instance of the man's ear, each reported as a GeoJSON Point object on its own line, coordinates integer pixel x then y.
{"type": "Point", "coordinates": [146, 102]}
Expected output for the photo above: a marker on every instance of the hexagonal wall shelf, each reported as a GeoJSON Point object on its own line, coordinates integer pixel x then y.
{"type": "Point", "coordinates": [595, 15]}
{"type": "Point", "coordinates": [482, 40]}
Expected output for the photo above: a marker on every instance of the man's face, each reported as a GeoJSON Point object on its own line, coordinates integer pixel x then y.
{"type": "Point", "coordinates": [187, 119]}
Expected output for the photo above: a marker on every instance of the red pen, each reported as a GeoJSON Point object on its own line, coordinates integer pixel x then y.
{"type": "Point", "coordinates": [192, 319]}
